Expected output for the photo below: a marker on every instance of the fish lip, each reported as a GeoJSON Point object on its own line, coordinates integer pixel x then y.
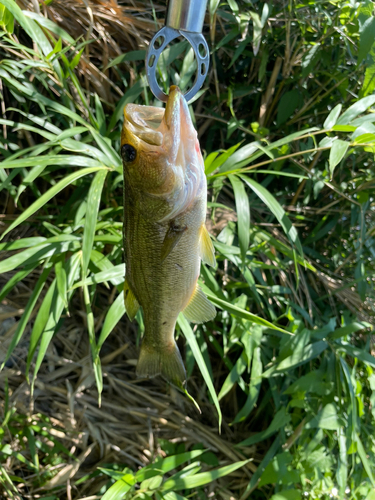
{"type": "Point", "coordinates": [173, 107]}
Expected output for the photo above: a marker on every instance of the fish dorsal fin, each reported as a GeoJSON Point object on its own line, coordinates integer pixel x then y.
{"type": "Point", "coordinates": [131, 303]}
{"type": "Point", "coordinates": [172, 237]}
{"type": "Point", "coordinates": [207, 250]}
{"type": "Point", "coordinates": [199, 309]}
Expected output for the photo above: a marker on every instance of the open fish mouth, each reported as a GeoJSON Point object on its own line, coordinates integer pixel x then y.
{"type": "Point", "coordinates": [171, 127]}
{"type": "Point", "coordinates": [143, 122]}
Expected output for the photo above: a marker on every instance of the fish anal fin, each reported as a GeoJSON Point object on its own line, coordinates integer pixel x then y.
{"type": "Point", "coordinates": [162, 360]}
{"type": "Point", "coordinates": [206, 247]}
{"type": "Point", "coordinates": [131, 303]}
{"type": "Point", "coordinates": [172, 237]}
{"type": "Point", "coordinates": [199, 308]}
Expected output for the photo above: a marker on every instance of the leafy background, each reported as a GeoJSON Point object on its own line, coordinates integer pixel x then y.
{"type": "Point", "coordinates": [284, 375]}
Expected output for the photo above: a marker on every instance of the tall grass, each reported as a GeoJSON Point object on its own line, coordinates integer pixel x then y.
{"type": "Point", "coordinates": [287, 125]}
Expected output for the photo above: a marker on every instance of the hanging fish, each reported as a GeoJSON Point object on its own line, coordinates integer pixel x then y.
{"type": "Point", "coordinates": [165, 237]}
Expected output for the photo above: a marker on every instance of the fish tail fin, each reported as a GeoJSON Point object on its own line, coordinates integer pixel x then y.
{"type": "Point", "coordinates": [162, 360]}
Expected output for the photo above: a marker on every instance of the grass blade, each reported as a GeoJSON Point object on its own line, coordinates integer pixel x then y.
{"type": "Point", "coordinates": [190, 337]}
{"type": "Point", "coordinates": [38, 204]}
{"type": "Point", "coordinates": [93, 202]}
{"type": "Point", "coordinates": [243, 213]}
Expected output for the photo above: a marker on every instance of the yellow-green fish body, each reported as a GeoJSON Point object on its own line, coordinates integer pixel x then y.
{"type": "Point", "coordinates": [164, 229]}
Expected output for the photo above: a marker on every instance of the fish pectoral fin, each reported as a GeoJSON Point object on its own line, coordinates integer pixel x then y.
{"type": "Point", "coordinates": [199, 309]}
{"type": "Point", "coordinates": [206, 247]}
{"type": "Point", "coordinates": [131, 303]}
{"type": "Point", "coordinates": [172, 237]}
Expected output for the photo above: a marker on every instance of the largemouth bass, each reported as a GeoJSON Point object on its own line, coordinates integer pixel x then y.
{"type": "Point", "coordinates": [165, 237]}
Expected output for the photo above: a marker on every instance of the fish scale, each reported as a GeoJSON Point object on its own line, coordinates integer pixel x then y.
{"type": "Point", "coordinates": [165, 239]}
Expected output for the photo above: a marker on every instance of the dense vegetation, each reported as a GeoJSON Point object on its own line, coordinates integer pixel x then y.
{"type": "Point", "coordinates": [284, 376]}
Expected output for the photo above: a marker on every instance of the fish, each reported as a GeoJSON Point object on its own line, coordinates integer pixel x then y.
{"type": "Point", "coordinates": [165, 237]}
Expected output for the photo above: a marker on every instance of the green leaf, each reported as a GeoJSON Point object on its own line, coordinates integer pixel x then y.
{"type": "Point", "coordinates": [368, 86]}
{"type": "Point", "coordinates": [72, 267]}
{"type": "Point", "coordinates": [233, 375]}
{"type": "Point", "coordinates": [337, 153]}
{"type": "Point", "coordinates": [134, 55]}
{"type": "Point", "coordinates": [190, 337]}
{"type": "Point", "coordinates": [241, 313]}
{"type": "Point", "coordinates": [367, 39]}
{"type": "Point", "coordinates": [277, 210]}
{"type": "Point", "coordinates": [243, 213]}
{"type": "Point", "coordinates": [348, 329]}
{"type": "Point", "coordinates": [327, 418]}
{"type": "Point", "coordinates": [277, 471]}
{"type": "Point", "coordinates": [298, 358]}
{"type": "Point", "coordinates": [254, 388]}
{"type": "Point", "coordinates": [332, 117]}
{"type": "Point", "coordinates": [364, 356]}
{"type": "Point", "coordinates": [115, 274]}
{"type": "Point", "coordinates": [167, 464]}
{"type": "Point", "coordinates": [118, 490]}
{"type": "Point", "coordinates": [37, 253]}
{"type": "Point", "coordinates": [17, 335]}
{"type": "Point", "coordinates": [342, 465]}
{"type": "Point", "coordinates": [16, 278]}
{"type": "Point", "coordinates": [288, 103]}
{"type": "Point", "coordinates": [61, 282]}
{"type": "Point", "coordinates": [356, 109]}
{"type": "Point", "coordinates": [215, 160]}
{"type": "Point", "coordinates": [93, 202]}
{"type": "Point", "coordinates": [171, 495]}
{"type": "Point", "coordinates": [365, 461]}
{"type": "Point", "coordinates": [257, 30]}
{"type": "Point", "coordinates": [311, 382]}
{"type": "Point", "coordinates": [280, 420]}
{"type": "Point", "coordinates": [53, 191]}
{"type": "Point", "coordinates": [50, 25]}
{"type": "Point", "coordinates": [287, 495]}
{"type": "Point", "coordinates": [309, 59]}
{"type": "Point", "coordinates": [271, 452]}
{"type": "Point", "coordinates": [114, 314]}
{"type": "Point", "coordinates": [202, 478]}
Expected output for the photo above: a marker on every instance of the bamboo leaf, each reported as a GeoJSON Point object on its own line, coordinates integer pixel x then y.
{"type": "Point", "coordinates": [53, 191]}
{"type": "Point", "coordinates": [241, 313]}
{"type": "Point", "coordinates": [114, 314]}
{"type": "Point", "coordinates": [27, 313]}
{"type": "Point", "coordinates": [356, 109]}
{"type": "Point", "coordinates": [365, 461]}
{"type": "Point", "coordinates": [190, 337]}
{"type": "Point", "coordinates": [332, 117]}
{"type": "Point", "coordinates": [202, 478]}
{"type": "Point", "coordinates": [337, 153]}
{"type": "Point", "coordinates": [277, 211]}
{"type": "Point", "coordinates": [72, 267]}
{"type": "Point", "coordinates": [254, 388]}
{"type": "Point", "coordinates": [243, 213]}
{"type": "Point", "coordinates": [93, 202]}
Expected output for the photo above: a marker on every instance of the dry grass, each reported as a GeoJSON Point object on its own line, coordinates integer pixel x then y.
{"type": "Point", "coordinates": [112, 30]}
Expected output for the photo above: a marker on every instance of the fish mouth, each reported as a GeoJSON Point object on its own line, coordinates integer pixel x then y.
{"type": "Point", "coordinates": [143, 123]}
{"type": "Point", "coordinates": [170, 128]}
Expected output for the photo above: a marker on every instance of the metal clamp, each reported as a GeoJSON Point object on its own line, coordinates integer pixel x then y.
{"type": "Point", "coordinates": [184, 18]}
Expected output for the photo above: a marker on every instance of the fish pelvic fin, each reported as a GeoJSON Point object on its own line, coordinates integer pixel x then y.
{"type": "Point", "coordinates": [207, 250]}
{"type": "Point", "coordinates": [162, 360]}
{"type": "Point", "coordinates": [199, 308]}
{"type": "Point", "coordinates": [131, 303]}
{"type": "Point", "coordinates": [172, 237]}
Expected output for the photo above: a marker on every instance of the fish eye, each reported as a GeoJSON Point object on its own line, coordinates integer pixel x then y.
{"type": "Point", "coordinates": [128, 153]}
